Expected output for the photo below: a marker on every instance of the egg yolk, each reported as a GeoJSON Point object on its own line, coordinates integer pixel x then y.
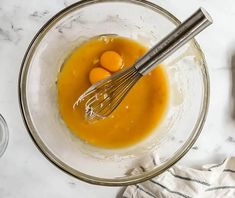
{"type": "Point", "coordinates": [97, 74]}
{"type": "Point", "coordinates": [111, 61]}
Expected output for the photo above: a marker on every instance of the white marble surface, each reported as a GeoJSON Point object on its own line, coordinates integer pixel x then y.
{"type": "Point", "coordinates": [24, 172]}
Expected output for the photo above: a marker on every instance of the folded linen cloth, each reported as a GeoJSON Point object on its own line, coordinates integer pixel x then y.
{"type": "Point", "coordinates": [212, 181]}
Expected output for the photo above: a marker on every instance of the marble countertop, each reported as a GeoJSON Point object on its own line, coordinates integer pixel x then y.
{"type": "Point", "coordinates": [25, 172]}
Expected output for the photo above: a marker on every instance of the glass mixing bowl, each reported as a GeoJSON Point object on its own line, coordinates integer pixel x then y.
{"type": "Point", "coordinates": [4, 135]}
{"type": "Point", "coordinates": [188, 81]}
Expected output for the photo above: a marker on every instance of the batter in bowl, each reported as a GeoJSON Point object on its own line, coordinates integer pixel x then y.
{"type": "Point", "coordinates": [138, 114]}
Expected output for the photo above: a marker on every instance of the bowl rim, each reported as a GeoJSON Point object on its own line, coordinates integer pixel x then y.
{"type": "Point", "coordinates": [5, 135]}
{"type": "Point", "coordinates": [46, 151]}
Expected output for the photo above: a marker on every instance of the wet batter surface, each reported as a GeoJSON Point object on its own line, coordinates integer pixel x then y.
{"type": "Point", "coordinates": [139, 113]}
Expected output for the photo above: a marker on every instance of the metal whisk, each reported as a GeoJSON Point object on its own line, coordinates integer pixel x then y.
{"type": "Point", "coordinates": [102, 98]}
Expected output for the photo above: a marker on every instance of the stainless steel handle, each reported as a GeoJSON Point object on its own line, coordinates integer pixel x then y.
{"type": "Point", "coordinates": [173, 41]}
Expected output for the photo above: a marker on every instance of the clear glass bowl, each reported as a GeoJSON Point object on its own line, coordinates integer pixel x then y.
{"type": "Point", "coordinates": [4, 135]}
{"type": "Point", "coordinates": [139, 20]}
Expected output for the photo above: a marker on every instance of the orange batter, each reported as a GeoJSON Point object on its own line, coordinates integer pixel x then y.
{"type": "Point", "coordinates": [138, 114]}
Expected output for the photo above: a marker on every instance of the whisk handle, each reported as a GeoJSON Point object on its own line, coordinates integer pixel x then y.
{"type": "Point", "coordinates": [177, 38]}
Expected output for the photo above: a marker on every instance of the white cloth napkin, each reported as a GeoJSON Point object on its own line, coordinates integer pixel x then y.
{"type": "Point", "coordinates": [212, 181]}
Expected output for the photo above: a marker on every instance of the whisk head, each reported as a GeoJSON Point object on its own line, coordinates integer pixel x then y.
{"type": "Point", "coordinates": [102, 98]}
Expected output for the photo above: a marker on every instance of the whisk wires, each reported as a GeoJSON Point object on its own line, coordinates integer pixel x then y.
{"type": "Point", "coordinates": [102, 98]}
